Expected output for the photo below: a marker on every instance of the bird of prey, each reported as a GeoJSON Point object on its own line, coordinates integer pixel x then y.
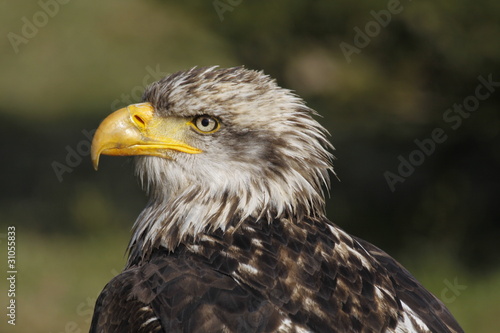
{"type": "Point", "coordinates": [234, 237]}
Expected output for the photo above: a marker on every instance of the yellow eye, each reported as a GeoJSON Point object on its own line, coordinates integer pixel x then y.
{"type": "Point", "coordinates": [206, 124]}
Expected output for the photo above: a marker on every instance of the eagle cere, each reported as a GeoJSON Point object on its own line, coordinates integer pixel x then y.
{"type": "Point", "coordinates": [234, 237]}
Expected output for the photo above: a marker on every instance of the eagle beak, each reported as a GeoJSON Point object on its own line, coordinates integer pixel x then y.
{"type": "Point", "coordinates": [137, 130]}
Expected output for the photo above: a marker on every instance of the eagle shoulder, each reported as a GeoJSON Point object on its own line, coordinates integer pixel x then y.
{"type": "Point", "coordinates": [419, 304]}
{"type": "Point", "coordinates": [177, 293]}
{"type": "Point", "coordinates": [118, 309]}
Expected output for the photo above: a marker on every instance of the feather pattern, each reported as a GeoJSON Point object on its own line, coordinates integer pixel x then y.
{"type": "Point", "coordinates": [286, 276]}
{"type": "Point", "coordinates": [235, 239]}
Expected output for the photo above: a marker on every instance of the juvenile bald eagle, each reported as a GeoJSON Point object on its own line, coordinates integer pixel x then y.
{"type": "Point", "coordinates": [234, 237]}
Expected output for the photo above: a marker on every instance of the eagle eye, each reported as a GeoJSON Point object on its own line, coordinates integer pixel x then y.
{"type": "Point", "coordinates": [206, 124]}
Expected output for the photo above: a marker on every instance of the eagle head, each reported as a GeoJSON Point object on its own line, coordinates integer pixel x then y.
{"type": "Point", "coordinates": [214, 148]}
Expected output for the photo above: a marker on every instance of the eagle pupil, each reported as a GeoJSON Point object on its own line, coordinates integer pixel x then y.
{"type": "Point", "coordinates": [205, 122]}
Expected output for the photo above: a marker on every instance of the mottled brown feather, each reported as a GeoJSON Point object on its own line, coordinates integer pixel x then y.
{"type": "Point", "coordinates": [208, 290]}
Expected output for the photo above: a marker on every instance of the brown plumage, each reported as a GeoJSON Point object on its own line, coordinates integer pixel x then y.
{"type": "Point", "coordinates": [235, 238]}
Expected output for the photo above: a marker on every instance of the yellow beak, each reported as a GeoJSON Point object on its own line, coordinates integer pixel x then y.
{"type": "Point", "coordinates": [137, 130]}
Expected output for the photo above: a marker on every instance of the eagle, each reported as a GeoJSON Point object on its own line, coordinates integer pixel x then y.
{"type": "Point", "coordinates": [235, 236]}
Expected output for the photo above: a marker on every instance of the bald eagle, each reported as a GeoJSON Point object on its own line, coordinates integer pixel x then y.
{"type": "Point", "coordinates": [234, 237]}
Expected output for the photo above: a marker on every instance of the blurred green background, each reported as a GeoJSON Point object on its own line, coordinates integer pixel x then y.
{"type": "Point", "coordinates": [379, 85]}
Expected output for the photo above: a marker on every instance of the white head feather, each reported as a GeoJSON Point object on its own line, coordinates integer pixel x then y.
{"type": "Point", "coordinates": [269, 159]}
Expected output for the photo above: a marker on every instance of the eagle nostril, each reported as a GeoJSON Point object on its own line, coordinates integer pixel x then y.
{"type": "Point", "coordinates": [138, 121]}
